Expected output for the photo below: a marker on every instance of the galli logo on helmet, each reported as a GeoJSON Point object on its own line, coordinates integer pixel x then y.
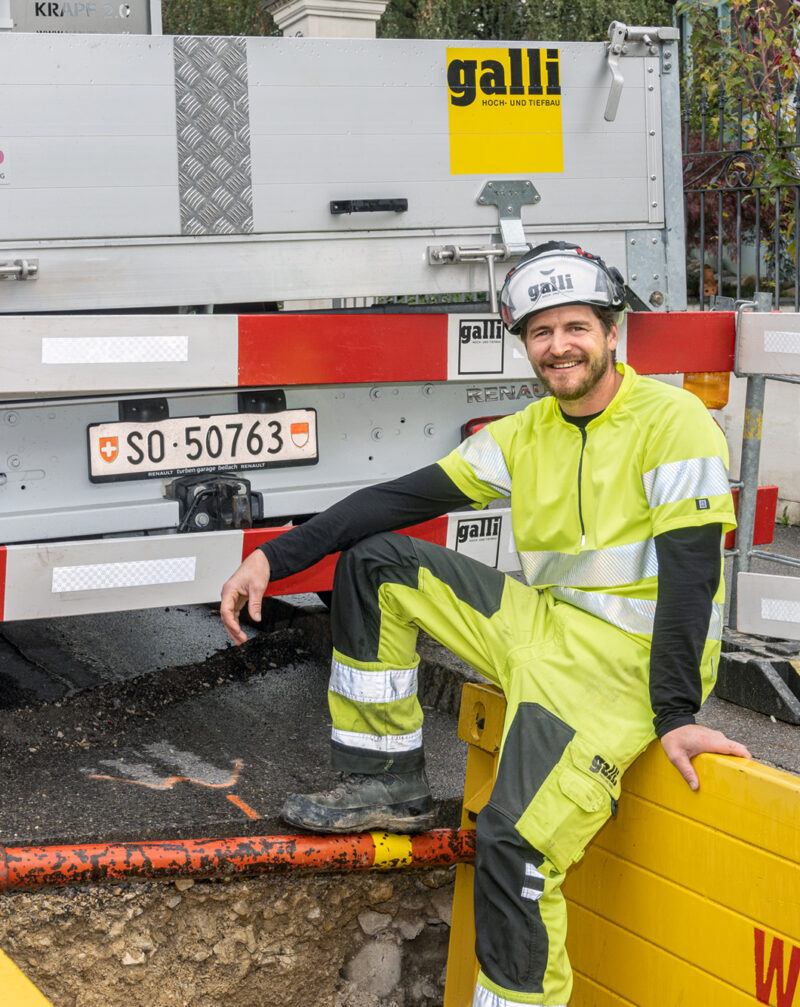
{"type": "Point", "coordinates": [550, 286]}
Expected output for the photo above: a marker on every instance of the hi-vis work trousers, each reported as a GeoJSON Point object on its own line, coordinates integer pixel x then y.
{"type": "Point", "coordinates": [578, 715]}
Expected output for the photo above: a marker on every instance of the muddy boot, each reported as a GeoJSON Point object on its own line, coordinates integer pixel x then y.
{"type": "Point", "coordinates": [393, 802]}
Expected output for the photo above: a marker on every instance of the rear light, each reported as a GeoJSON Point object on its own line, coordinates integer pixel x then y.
{"type": "Point", "coordinates": [711, 387]}
{"type": "Point", "coordinates": [473, 426]}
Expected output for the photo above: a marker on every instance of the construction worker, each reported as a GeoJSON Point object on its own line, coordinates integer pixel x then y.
{"type": "Point", "coordinates": [619, 502]}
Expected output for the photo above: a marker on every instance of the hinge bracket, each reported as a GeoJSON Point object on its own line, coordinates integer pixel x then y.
{"type": "Point", "coordinates": [509, 197]}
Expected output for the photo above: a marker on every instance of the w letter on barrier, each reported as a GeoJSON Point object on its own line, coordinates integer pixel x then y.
{"type": "Point", "coordinates": [774, 971]}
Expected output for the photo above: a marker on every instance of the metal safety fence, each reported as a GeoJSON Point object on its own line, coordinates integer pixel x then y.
{"type": "Point", "coordinates": [742, 199]}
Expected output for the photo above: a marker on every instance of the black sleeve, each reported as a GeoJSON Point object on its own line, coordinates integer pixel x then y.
{"type": "Point", "coordinates": [688, 576]}
{"type": "Point", "coordinates": [413, 498]}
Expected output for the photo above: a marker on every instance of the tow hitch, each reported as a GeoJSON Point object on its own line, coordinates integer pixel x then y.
{"type": "Point", "coordinates": [215, 502]}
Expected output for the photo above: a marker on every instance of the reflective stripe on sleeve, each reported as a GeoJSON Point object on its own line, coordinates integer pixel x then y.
{"type": "Point", "coordinates": [372, 686]}
{"type": "Point", "coordinates": [379, 743]}
{"type": "Point", "coordinates": [633, 615]}
{"type": "Point", "coordinates": [622, 564]}
{"type": "Point", "coordinates": [482, 453]}
{"type": "Point", "coordinates": [692, 478]}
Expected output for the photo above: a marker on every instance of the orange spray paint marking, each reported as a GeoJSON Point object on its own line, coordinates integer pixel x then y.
{"type": "Point", "coordinates": [243, 806]}
{"type": "Point", "coordinates": [168, 782]}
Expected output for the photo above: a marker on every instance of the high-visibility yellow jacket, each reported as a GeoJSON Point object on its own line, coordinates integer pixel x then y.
{"type": "Point", "coordinates": [586, 504]}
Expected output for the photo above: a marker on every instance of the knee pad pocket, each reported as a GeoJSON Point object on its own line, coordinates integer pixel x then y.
{"type": "Point", "coordinates": [576, 799]}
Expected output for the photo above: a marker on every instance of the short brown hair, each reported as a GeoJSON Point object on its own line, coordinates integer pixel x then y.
{"type": "Point", "coordinates": [606, 316]}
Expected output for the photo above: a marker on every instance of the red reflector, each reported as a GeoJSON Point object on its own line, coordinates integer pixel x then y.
{"type": "Point", "coordinates": [673, 342]}
{"type": "Point", "coordinates": [473, 426]}
{"type": "Point", "coordinates": [766, 508]}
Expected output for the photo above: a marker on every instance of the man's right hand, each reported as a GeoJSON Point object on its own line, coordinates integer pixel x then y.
{"type": "Point", "coordinates": [245, 587]}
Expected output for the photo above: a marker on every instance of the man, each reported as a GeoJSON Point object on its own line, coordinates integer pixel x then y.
{"type": "Point", "coordinates": [619, 500]}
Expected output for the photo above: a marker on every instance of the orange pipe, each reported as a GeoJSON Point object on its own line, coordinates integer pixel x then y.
{"type": "Point", "coordinates": [36, 866]}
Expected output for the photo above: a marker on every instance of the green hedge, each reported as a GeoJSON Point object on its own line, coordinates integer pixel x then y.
{"type": "Point", "coordinates": [210, 17]}
{"type": "Point", "coordinates": [556, 20]}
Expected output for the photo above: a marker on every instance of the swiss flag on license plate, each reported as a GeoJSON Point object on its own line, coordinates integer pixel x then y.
{"type": "Point", "coordinates": [108, 448]}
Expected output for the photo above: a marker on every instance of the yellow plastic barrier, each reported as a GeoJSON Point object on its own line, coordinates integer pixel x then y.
{"type": "Point", "coordinates": [16, 990]}
{"type": "Point", "coordinates": [685, 898]}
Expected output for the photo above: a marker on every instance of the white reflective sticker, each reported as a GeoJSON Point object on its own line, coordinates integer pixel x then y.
{"type": "Point", "coordinates": [776, 341]}
{"type": "Point", "coordinates": [115, 349]}
{"type": "Point", "coordinates": [780, 609]}
{"type": "Point", "coordinates": [138, 573]}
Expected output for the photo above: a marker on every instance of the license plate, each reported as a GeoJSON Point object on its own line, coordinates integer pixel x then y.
{"type": "Point", "coordinates": [190, 444]}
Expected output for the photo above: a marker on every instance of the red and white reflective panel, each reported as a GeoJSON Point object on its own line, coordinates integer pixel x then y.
{"type": "Point", "coordinates": [96, 354]}
{"type": "Point", "coordinates": [116, 574]}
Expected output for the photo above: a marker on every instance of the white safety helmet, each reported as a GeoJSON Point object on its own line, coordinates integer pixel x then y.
{"type": "Point", "coordinates": [554, 274]}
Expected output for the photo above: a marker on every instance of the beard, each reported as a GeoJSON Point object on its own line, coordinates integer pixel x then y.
{"type": "Point", "coordinates": [599, 365]}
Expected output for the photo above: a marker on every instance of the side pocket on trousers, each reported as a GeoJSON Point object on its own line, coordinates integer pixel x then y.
{"type": "Point", "coordinates": [572, 804]}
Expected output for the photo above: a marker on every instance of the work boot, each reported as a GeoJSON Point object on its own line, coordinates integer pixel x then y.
{"type": "Point", "coordinates": [393, 802]}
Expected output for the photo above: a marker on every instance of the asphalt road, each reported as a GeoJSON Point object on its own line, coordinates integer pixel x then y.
{"type": "Point", "coordinates": [150, 725]}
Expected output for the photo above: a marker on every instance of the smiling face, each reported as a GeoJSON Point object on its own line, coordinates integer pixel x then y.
{"type": "Point", "coordinates": [572, 355]}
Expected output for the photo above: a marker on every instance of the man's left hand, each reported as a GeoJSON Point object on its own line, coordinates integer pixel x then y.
{"type": "Point", "coordinates": [683, 743]}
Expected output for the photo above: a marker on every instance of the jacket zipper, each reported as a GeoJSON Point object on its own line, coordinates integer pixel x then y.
{"type": "Point", "coordinates": [580, 499]}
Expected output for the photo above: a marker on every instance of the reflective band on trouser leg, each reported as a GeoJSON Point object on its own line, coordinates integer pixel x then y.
{"type": "Point", "coordinates": [489, 998]}
{"type": "Point", "coordinates": [385, 589]}
{"type": "Point", "coordinates": [377, 719]}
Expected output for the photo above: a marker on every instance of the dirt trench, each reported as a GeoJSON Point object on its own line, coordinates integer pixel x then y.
{"type": "Point", "coordinates": [334, 940]}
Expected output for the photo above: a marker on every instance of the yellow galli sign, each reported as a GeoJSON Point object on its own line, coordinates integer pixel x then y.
{"type": "Point", "coordinates": [504, 111]}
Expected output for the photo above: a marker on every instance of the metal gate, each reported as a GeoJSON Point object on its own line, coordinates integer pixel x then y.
{"type": "Point", "coordinates": [742, 229]}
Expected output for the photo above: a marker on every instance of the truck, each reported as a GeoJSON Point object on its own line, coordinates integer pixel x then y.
{"type": "Point", "coordinates": [243, 277]}
{"type": "Point", "coordinates": [169, 204]}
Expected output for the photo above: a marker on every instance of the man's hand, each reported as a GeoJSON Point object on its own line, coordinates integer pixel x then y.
{"type": "Point", "coordinates": [245, 587]}
{"type": "Point", "coordinates": [682, 744]}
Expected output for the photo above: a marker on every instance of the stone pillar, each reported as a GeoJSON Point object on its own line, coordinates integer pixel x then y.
{"type": "Point", "coordinates": [327, 18]}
